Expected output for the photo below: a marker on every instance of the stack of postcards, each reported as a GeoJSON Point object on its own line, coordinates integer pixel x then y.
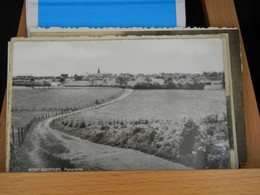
{"type": "Point", "coordinates": [122, 94]}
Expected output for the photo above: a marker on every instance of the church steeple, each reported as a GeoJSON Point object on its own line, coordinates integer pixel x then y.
{"type": "Point", "coordinates": [98, 71]}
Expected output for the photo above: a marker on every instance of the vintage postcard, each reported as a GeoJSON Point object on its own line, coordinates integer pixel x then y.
{"type": "Point", "coordinates": [121, 103]}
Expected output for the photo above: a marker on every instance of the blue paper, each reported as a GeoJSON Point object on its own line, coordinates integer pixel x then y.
{"type": "Point", "coordinates": [107, 13]}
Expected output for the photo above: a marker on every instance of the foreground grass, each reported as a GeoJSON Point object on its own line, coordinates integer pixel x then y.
{"type": "Point", "coordinates": [51, 152]}
{"type": "Point", "coordinates": [20, 158]}
{"type": "Point", "coordinates": [194, 143]}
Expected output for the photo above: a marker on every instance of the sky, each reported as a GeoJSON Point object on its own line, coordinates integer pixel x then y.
{"type": "Point", "coordinates": [118, 56]}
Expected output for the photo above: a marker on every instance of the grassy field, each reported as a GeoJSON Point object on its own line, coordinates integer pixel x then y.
{"type": "Point", "coordinates": [20, 91]}
{"type": "Point", "coordinates": [61, 98]}
{"type": "Point", "coordinates": [34, 104]}
{"type": "Point", "coordinates": [161, 104]}
{"type": "Point", "coordinates": [21, 118]}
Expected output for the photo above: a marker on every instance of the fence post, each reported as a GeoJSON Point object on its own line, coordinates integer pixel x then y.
{"type": "Point", "coordinates": [22, 135]}
{"type": "Point", "coordinates": [19, 141]}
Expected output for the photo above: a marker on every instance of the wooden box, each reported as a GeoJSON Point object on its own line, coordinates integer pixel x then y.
{"type": "Point", "coordinates": [218, 13]}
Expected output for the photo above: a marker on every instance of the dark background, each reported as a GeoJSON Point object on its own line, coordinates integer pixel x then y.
{"type": "Point", "coordinates": [247, 11]}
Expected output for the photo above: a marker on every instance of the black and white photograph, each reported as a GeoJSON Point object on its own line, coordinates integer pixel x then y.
{"type": "Point", "coordinates": [105, 104]}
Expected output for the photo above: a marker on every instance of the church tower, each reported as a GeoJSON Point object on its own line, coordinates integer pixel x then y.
{"type": "Point", "coordinates": [98, 71]}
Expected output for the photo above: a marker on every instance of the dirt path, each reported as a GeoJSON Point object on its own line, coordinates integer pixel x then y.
{"type": "Point", "coordinates": [88, 155]}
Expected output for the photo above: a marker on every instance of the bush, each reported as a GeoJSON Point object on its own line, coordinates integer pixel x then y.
{"type": "Point", "coordinates": [189, 132]}
{"type": "Point", "coordinates": [105, 127]}
{"type": "Point", "coordinates": [71, 123]}
{"type": "Point", "coordinates": [169, 84]}
{"type": "Point", "coordinates": [138, 130]}
{"type": "Point", "coordinates": [65, 123]}
{"type": "Point", "coordinates": [213, 118]}
{"type": "Point", "coordinates": [82, 124]}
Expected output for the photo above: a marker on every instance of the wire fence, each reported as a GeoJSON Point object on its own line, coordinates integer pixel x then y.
{"type": "Point", "coordinates": [30, 92]}
{"type": "Point", "coordinates": [19, 134]}
{"type": "Point", "coordinates": [65, 108]}
{"type": "Point", "coordinates": [37, 90]}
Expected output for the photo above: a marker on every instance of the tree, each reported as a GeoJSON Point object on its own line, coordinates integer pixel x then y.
{"type": "Point", "coordinates": [148, 79]}
{"type": "Point", "coordinates": [77, 77]}
{"type": "Point", "coordinates": [45, 83]}
{"type": "Point", "coordinates": [121, 80]}
{"type": "Point", "coordinates": [104, 82]}
{"type": "Point", "coordinates": [62, 79]}
{"type": "Point", "coordinates": [93, 82]}
{"type": "Point", "coordinates": [168, 82]}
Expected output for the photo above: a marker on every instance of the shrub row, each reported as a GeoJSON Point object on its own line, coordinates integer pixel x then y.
{"type": "Point", "coordinates": [170, 85]}
{"type": "Point", "coordinates": [196, 144]}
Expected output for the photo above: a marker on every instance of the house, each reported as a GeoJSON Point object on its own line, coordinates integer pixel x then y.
{"type": "Point", "coordinates": [65, 76]}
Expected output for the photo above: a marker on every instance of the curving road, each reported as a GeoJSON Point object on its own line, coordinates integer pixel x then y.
{"type": "Point", "coordinates": [88, 155]}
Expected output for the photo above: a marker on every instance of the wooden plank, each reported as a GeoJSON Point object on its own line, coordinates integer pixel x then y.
{"type": "Point", "coordinates": [2, 135]}
{"type": "Point", "coordinates": [22, 32]}
{"type": "Point", "coordinates": [135, 182]}
{"type": "Point", "coordinates": [222, 13]}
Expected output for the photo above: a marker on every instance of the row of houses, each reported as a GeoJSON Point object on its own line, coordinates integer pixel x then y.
{"type": "Point", "coordinates": [110, 76]}
{"type": "Point", "coordinates": [32, 78]}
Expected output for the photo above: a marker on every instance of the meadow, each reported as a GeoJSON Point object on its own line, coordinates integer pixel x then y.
{"type": "Point", "coordinates": [161, 104]}
{"type": "Point", "coordinates": [28, 103]}
{"type": "Point", "coordinates": [21, 118]}
{"type": "Point", "coordinates": [60, 98]}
